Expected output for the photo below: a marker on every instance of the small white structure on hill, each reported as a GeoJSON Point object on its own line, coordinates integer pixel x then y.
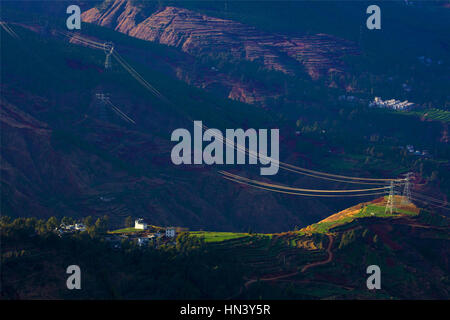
{"type": "Point", "coordinates": [170, 232]}
{"type": "Point", "coordinates": [143, 242]}
{"type": "Point", "coordinates": [140, 224]}
{"type": "Point", "coordinates": [391, 104]}
{"type": "Point", "coordinates": [80, 227]}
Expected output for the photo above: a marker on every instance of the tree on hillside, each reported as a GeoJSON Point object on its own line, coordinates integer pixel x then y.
{"type": "Point", "coordinates": [67, 220]}
{"type": "Point", "coordinates": [129, 222]}
{"type": "Point", "coordinates": [52, 223]}
{"type": "Point", "coordinates": [106, 222]}
{"type": "Point", "coordinates": [88, 221]}
{"type": "Point", "coordinates": [101, 224]}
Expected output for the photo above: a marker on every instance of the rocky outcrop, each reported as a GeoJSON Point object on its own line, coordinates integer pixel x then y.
{"type": "Point", "coordinates": [232, 87]}
{"type": "Point", "coordinates": [198, 34]}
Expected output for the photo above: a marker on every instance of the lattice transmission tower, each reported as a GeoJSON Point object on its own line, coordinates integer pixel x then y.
{"type": "Point", "coordinates": [104, 100]}
{"type": "Point", "coordinates": [108, 47]}
{"type": "Point", "coordinates": [390, 202]}
{"type": "Point", "coordinates": [407, 189]}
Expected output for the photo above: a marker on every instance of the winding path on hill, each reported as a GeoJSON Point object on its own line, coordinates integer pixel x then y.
{"type": "Point", "coordinates": [330, 256]}
{"type": "Point", "coordinates": [283, 276]}
{"type": "Point", "coordinates": [251, 281]}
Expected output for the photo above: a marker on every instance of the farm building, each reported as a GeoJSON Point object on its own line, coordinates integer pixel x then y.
{"type": "Point", "coordinates": [140, 224]}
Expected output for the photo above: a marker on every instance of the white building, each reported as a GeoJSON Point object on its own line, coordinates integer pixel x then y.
{"type": "Point", "coordinates": [391, 104]}
{"type": "Point", "coordinates": [143, 242]}
{"type": "Point", "coordinates": [170, 232]}
{"type": "Point", "coordinates": [80, 227]}
{"type": "Point", "coordinates": [140, 224]}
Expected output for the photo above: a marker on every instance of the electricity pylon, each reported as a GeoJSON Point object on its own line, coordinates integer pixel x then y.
{"type": "Point", "coordinates": [390, 201]}
{"type": "Point", "coordinates": [103, 97]}
{"type": "Point", "coordinates": [407, 189]}
{"type": "Point", "coordinates": [104, 100]}
{"type": "Point", "coordinates": [108, 47]}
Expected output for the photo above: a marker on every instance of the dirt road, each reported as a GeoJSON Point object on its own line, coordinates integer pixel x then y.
{"type": "Point", "coordinates": [251, 281]}
{"type": "Point", "coordinates": [318, 263]}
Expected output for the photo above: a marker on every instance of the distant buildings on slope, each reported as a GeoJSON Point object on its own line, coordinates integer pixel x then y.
{"type": "Point", "coordinates": [410, 149]}
{"type": "Point", "coordinates": [380, 103]}
{"type": "Point", "coordinates": [170, 232]}
{"type": "Point", "coordinates": [349, 98]}
{"type": "Point", "coordinates": [391, 104]}
{"type": "Point", "coordinates": [147, 235]}
{"type": "Point", "coordinates": [428, 61]}
{"type": "Point", "coordinates": [147, 238]}
{"type": "Point", "coordinates": [72, 228]}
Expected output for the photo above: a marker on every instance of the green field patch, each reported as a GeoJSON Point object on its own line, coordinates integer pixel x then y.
{"type": "Point", "coordinates": [379, 211]}
{"type": "Point", "coordinates": [217, 236]}
{"type": "Point", "coordinates": [125, 230]}
{"type": "Point", "coordinates": [367, 211]}
{"type": "Point", "coordinates": [433, 114]}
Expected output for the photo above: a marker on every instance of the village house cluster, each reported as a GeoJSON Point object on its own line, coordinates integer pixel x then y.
{"type": "Point", "coordinates": [72, 228]}
{"type": "Point", "coordinates": [428, 61]}
{"type": "Point", "coordinates": [144, 235]}
{"type": "Point", "coordinates": [391, 104]}
{"type": "Point", "coordinates": [410, 149]}
{"type": "Point", "coordinates": [349, 98]}
{"type": "Point", "coordinates": [147, 235]}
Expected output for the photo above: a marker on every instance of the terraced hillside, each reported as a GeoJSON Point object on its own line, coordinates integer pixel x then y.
{"type": "Point", "coordinates": [318, 261]}
{"type": "Point", "coordinates": [330, 262]}
{"type": "Point", "coordinates": [375, 208]}
{"type": "Point", "coordinates": [412, 251]}
{"type": "Point", "coordinates": [199, 34]}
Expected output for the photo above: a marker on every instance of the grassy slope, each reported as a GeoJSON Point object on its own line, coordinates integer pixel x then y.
{"type": "Point", "coordinates": [217, 236]}
{"type": "Point", "coordinates": [375, 208]}
{"type": "Point", "coordinates": [432, 114]}
{"type": "Point", "coordinates": [409, 247]}
{"type": "Point", "coordinates": [125, 230]}
{"type": "Point", "coordinates": [410, 250]}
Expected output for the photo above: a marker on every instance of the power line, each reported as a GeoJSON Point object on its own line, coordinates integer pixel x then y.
{"type": "Point", "coordinates": [302, 194]}
{"type": "Point", "coordinates": [85, 41]}
{"type": "Point", "coordinates": [292, 168]}
{"type": "Point", "coordinates": [308, 172]}
{"type": "Point", "coordinates": [104, 99]}
{"type": "Point", "coordinates": [120, 113]}
{"type": "Point", "coordinates": [138, 77]}
{"type": "Point", "coordinates": [286, 166]}
{"type": "Point", "coordinates": [9, 30]}
{"type": "Point", "coordinates": [428, 198]}
{"type": "Point", "coordinates": [109, 50]}
{"type": "Point", "coordinates": [430, 204]}
{"type": "Point", "coordinates": [225, 173]}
